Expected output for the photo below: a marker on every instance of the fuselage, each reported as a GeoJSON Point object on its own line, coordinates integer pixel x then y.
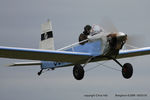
{"type": "Point", "coordinates": [98, 44]}
{"type": "Point", "coordinates": [93, 47]}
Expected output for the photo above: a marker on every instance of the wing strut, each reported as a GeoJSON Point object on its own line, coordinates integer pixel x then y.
{"type": "Point", "coordinates": [87, 61]}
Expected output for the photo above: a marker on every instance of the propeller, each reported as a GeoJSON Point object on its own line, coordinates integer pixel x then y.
{"type": "Point", "coordinates": [108, 25]}
{"type": "Point", "coordinates": [132, 40]}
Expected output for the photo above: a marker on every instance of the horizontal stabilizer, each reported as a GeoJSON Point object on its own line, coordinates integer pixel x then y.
{"type": "Point", "coordinates": [25, 63]}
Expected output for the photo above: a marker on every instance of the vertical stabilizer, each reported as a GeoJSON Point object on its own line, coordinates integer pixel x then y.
{"type": "Point", "coordinates": [47, 40]}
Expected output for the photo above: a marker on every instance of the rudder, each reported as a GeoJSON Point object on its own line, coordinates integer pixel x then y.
{"type": "Point", "coordinates": [47, 40]}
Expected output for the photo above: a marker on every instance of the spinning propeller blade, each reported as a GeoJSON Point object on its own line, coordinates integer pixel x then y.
{"type": "Point", "coordinates": [109, 26]}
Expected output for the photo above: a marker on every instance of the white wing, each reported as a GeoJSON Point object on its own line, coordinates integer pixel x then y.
{"type": "Point", "coordinates": [125, 54]}
{"type": "Point", "coordinates": [62, 56]}
{"type": "Point", "coordinates": [43, 55]}
{"type": "Point", "coordinates": [134, 52]}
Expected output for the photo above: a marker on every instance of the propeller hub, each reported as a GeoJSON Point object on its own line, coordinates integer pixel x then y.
{"type": "Point", "coordinates": [122, 36]}
{"type": "Point", "coordinates": [117, 40]}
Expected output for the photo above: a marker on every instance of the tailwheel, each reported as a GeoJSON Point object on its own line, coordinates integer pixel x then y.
{"type": "Point", "coordinates": [78, 72]}
{"type": "Point", "coordinates": [40, 72]}
{"type": "Point", "coordinates": [127, 70]}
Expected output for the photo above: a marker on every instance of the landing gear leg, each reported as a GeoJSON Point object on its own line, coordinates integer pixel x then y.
{"type": "Point", "coordinates": [127, 69]}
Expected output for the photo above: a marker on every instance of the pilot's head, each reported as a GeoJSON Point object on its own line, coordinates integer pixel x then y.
{"type": "Point", "coordinates": [87, 29]}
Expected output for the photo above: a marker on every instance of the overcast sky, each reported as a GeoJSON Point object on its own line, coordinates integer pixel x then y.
{"type": "Point", "coordinates": [20, 26]}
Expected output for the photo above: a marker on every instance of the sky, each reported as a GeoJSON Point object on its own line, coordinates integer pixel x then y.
{"type": "Point", "coordinates": [20, 26]}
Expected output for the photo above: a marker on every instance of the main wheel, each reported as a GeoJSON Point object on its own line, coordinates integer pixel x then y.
{"type": "Point", "coordinates": [127, 70]}
{"type": "Point", "coordinates": [78, 72]}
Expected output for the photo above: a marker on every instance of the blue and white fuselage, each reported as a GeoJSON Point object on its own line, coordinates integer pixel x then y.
{"type": "Point", "coordinates": [92, 47]}
{"type": "Point", "coordinates": [97, 44]}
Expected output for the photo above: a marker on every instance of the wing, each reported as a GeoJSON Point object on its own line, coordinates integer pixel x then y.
{"type": "Point", "coordinates": [134, 52]}
{"type": "Point", "coordinates": [43, 55]}
{"type": "Point", "coordinates": [125, 54]}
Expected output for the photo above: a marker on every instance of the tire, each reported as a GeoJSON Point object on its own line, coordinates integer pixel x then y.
{"type": "Point", "coordinates": [127, 70]}
{"type": "Point", "coordinates": [78, 72]}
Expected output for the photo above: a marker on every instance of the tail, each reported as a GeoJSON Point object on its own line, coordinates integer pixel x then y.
{"type": "Point", "coordinates": [47, 40]}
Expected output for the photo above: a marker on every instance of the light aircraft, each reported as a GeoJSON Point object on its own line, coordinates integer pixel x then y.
{"type": "Point", "coordinates": [98, 47]}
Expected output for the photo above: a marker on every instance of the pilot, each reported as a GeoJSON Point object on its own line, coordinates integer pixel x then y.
{"type": "Point", "coordinates": [84, 35]}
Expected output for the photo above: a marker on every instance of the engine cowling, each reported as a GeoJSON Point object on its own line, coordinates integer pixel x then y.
{"type": "Point", "coordinates": [116, 40]}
